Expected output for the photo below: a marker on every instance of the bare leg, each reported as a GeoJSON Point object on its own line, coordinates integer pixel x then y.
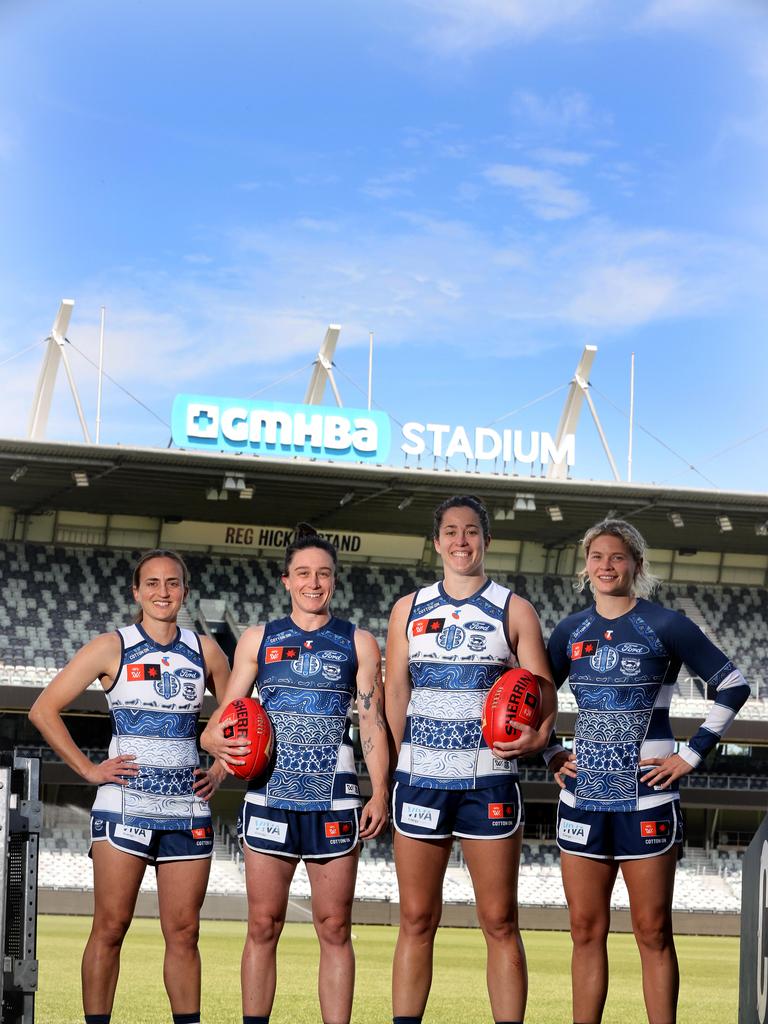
{"type": "Point", "coordinates": [420, 865]}
{"type": "Point", "coordinates": [333, 889]}
{"type": "Point", "coordinates": [650, 884]}
{"type": "Point", "coordinates": [267, 881]}
{"type": "Point", "coordinates": [493, 865]}
{"type": "Point", "coordinates": [181, 886]}
{"type": "Point", "coordinates": [116, 880]}
{"type": "Point", "coordinates": [588, 885]}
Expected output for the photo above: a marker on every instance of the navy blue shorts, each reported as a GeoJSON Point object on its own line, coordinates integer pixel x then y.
{"type": "Point", "coordinates": [492, 813]}
{"type": "Point", "coordinates": [620, 835]}
{"type": "Point", "coordinates": [154, 845]}
{"type": "Point", "coordinates": [308, 835]}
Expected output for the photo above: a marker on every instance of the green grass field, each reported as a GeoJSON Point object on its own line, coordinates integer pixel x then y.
{"type": "Point", "coordinates": [709, 968]}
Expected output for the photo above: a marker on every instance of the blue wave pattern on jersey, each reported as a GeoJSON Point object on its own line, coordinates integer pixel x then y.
{"type": "Point", "coordinates": [445, 735]}
{"type": "Point", "coordinates": [164, 781]}
{"type": "Point", "coordinates": [453, 676]}
{"type": "Point", "coordinates": [622, 672]}
{"type": "Point", "coordinates": [307, 681]}
{"type": "Point", "coordinates": [140, 722]}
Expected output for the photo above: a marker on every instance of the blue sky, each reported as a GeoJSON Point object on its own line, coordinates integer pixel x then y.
{"type": "Point", "coordinates": [488, 185]}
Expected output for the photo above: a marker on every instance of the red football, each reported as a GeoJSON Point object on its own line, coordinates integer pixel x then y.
{"type": "Point", "coordinates": [515, 697]}
{"type": "Point", "coordinates": [245, 719]}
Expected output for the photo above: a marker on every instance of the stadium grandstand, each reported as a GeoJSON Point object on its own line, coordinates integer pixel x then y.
{"type": "Point", "coordinates": [75, 516]}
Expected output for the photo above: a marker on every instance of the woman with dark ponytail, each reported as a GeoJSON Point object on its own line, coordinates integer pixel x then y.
{"type": "Point", "coordinates": [308, 668]}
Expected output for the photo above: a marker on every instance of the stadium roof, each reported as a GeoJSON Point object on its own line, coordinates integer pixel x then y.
{"type": "Point", "coordinates": [174, 485]}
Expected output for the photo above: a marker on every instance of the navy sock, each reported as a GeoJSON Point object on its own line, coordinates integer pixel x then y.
{"type": "Point", "coordinates": [406, 1020]}
{"type": "Point", "coordinates": [97, 1018]}
{"type": "Point", "coordinates": [255, 1020]}
{"type": "Point", "coordinates": [186, 1018]}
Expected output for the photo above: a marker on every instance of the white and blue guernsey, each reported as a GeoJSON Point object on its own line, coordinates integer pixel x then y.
{"type": "Point", "coordinates": [457, 649]}
{"type": "Point", "coordinates": [307, 681]}
{"type": "Point", "coordinates": [154, 704]}
{"type": "Point", "coordinates": [622, 673]}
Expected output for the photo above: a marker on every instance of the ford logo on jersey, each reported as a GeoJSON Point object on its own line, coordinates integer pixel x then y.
{"type": "Point", "coordinates": [629, 648]}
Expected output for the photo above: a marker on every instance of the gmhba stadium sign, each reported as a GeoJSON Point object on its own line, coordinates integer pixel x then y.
{"type": "Point", "coordinates": [348, 435]}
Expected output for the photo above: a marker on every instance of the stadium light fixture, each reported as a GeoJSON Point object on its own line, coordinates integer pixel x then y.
{"type": "Point", "coordinates": [246, 493]}
{"type": "Point", "coordinates": [81, 479]}
{"type": "Point", "coordinates": [346, 498]}
{"type": "Point", "coordinates": [555, 513]}
{"type": "Point", "coordinates": [18, 473]}
{"type": "Point", "coordinates": [234, 483]}
{"type": "Point", "coordinates": [524, 503]}
{"type": "Point", "coordinates": [761, 529]}
{"type": "Point", "coordinates": [405, 503]}
{"type": "Point", "coordinates": [676, 519]}
{"type": "Point", "coordinates": [724, 524]}
{"type": "Point", "coordinates": [211, 494]}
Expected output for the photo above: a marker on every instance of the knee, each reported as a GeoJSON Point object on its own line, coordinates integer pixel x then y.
{"type": "Point", "coordinates": [333, 929]}
{"type": "Point", "coordinates": [419, 923]}
{"type": "Point", "coordinates": [587, 930]}
{"type": "Point", "coordinates": [182, 934]}
{"type": "Point", "coordinates": [110, 931]}
{"type": "Point", "coordinates": [499, 926]}
{"type": "Point", "coordinates": [653, 934]}
{"type": "Point", "coordinates": [264, 929]}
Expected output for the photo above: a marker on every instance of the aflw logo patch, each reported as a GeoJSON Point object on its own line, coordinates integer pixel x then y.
{"type": "Point", "coordinates": [654, 828]}
{"type": "Point", "coordinates": [273, 654]}
{"type": "Point", "coordinates": [422, 626]}
{"type": "Point", "coordinates": [500, 810]}
{"type": "Point", "coordinates": [334, 829]}
{"type": "Point", "coordinates": [140, 673]}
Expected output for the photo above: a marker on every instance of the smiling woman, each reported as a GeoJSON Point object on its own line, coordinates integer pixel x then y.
{"type": "Point", "coordinates": [309, 667]}
{"type": "Point", "coordinates": [151, 806]}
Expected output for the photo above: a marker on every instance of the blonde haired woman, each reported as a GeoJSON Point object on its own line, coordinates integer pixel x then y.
{"type": "Point", "coordinates": [619, 804]}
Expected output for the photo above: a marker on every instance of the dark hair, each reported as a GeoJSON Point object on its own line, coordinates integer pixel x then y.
{"type": "Point", "coordinates": [306, 536]}
{"type": "Point", "coordinates": [462, 501]}
{"type": "Point", "coordinates": [160, 553]}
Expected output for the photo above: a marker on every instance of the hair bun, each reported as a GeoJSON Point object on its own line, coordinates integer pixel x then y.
{"type": "Point", "coordinates": [304, 530]}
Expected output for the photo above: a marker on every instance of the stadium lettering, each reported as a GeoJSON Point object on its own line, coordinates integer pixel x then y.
{"type": "Point", "coordinates": [445, 441]}
{"type": "Point", "coordinates": [238, 535]}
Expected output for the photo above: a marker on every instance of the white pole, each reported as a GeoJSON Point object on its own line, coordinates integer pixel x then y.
{"type": "Point", "coordinates": [631, 415]}
{"type": "Point", "coordinates": [101, 371]}
{"type": "Point", "coordinates": [370, 369]}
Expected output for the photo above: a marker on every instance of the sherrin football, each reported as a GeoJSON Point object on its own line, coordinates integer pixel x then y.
{"type": "Point", "coordinates": [514, 698]}
{"type": "Point", "coordinates": [246, 720]}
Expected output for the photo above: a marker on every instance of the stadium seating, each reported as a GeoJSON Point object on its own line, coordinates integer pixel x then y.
{"type": "Point", "coordinates": [56, 598]}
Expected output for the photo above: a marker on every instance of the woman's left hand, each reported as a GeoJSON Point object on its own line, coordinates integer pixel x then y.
{"type": "Point", "coordinates": [374, 816]}
{"type": "Point", "coordinates": [208, 780]}
{"type": "Point", "coordinates": [664, 770]}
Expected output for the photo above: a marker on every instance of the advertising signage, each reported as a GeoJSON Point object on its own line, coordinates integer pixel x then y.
{"type": "Point", "coordinates": [348, 435]}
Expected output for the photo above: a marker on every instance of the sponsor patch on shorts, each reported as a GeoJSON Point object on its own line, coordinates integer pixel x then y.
{"type": "Point", "coordinates": [143, 836]}
{"type": "Point", "coordinates": [202, 833]}
{"type": "Point", "coordinates": [272, 831]}
{"type": "Point", "coordinates": [351, 789]}
{"type": "Point", "coordinates": [333, 829]}
{"type": "Point", "coordinates": [654, 828]}
{"type": "Point", "coordinates": [573, 832]}
{"type": "Point", "coordinates": [501, 811]}
{"type": "Point", "coordinates": [422, 817]}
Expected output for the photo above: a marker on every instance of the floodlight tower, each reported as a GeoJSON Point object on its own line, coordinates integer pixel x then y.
{"type": "Point", "coordinates": [569, 418]}
{"type": "Point", "coordinates": [55, 352]}
{"type": "Point", "coordinates": [323, 370]}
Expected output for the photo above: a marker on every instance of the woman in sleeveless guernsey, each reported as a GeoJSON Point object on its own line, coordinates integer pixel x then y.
{"type": "Point", "coordinates": [151, 806]}
{"type": "Point", "coordinates": [309, 667]}
{"type": "Point", "coordinates": [447, 644]}
{"type": "Point", "coordinates": [619, 804]}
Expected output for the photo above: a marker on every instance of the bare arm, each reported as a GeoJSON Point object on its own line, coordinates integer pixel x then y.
{"type": "Point", "coordinates": [525, 633]}
{"type": "Point", "coordinates": [397, 683]}
{"type": "Point", "coordinates": [208, 780]}
{"type": "Point", "coordinates": [240, 684]}
{"type": "Point", "coordinates": [373, 732]}
{"type": "Point", "coordinates": [99, 659]}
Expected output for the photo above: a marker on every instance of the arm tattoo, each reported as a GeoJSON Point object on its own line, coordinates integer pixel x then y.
{"type": "Point", "coordinates": [367, 746]}
{"type": "Point", "coordinates": [365, 696]}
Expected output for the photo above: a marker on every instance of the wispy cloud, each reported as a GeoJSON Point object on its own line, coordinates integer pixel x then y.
{"type": "Point", "coordinates": [385, 186]}
{"type": "Point", "coordinates": [562, 157]}
{"type": "Point", "coordinates": [561, 111]}
{"type": "Point", "coordinates": [457, 27]}
{"type": "Point", "coordinates": [544, 192]}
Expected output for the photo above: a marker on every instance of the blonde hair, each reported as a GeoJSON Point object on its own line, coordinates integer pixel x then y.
{"type": "Point", "coordinates": [644, 583]}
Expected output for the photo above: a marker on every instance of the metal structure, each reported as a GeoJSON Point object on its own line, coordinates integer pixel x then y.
{"type": "Point", "coordinates": [323, 370]}
{"type": "Point", "coordinates": [21, 814]}
{"type": "Point", "coordinates": [55, 353]}
{"type": "Point", "coordinates": [578, 392]}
